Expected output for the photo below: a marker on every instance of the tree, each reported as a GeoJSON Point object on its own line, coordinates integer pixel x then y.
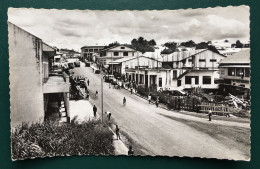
{"type": "Point", "coordinates": [170, 45]}
{"type": "Point", "coordinates": [189, 44]}
{"type": "Point", "coordinates": [239, 44]}
{"type": "Point", "coordinates": [152, 42]}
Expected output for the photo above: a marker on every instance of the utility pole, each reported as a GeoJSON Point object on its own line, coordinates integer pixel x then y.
{"type": "Point", "coordinates": [102, 99]}
{"type": "Point", "coordinates": [138, 69]}
{"type": "Point", "coordinates": [111, 63]}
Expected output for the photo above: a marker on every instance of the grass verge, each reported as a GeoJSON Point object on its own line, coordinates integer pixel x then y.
{"type": "Point", "coordinates": [56, 139]}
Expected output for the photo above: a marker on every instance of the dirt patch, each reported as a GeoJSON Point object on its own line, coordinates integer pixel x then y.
{"type": "Point", "coordinates": [233, 137]}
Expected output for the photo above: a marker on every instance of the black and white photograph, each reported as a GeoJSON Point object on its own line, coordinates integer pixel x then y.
{"type": "Point", "coordinates": [170, 83]}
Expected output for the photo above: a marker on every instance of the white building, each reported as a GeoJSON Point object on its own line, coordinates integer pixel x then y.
{"type": "Point", "coordinates": [194, 68]}
{"type": "Point", "coordinates": [116, 52]}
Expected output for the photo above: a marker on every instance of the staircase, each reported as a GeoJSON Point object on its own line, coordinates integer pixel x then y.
{"type": "Point", "coordinates": [63, 113]}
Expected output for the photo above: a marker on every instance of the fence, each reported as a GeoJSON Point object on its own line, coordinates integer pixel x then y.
{"type": "Point", "coordinates": [188, 103]}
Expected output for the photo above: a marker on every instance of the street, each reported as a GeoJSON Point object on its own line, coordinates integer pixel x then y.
{"type": "Point", "coordinates": [149, 126]}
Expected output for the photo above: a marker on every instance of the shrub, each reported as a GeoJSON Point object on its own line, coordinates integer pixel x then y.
{"type": "Point", "coordinates": [55, 139]}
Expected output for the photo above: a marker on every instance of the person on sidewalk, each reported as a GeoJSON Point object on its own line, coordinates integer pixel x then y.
{"type": "Point", "coordinates": [124, 101]}
{"type": "Point", "coordinates": [88, 82]}
{"type": "Point", "coordinates": [157, 102]}
{"type": "Point", "coordinates": [130, 151]}
{"type": "Point", "coordinates": [117, 133]}
{"type": "Point", "coordinates": [131, 90]}
{"type": "Point", "coordinates": [95, 110]}
{"type": "Point", "coordinates": [210, 114]}
{"type": "Point", "coordinates": [149, 98]}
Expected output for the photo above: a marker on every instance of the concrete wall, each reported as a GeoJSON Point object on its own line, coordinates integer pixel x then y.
{"type": "Point", "coordinates": [25, 53]}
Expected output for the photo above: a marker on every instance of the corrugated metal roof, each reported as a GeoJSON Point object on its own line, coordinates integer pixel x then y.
{"type": "Point", "coordinates": [240, 57]}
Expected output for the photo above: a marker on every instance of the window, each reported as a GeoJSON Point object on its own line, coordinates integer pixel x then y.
{"type": "Point", "coordinates": [247, 72]}
{"type": "Point", "coordinates": [133, 53]}
{"type": "Point", "coordinates": [222, 71]}
{"type": "Point", "coordinates": [115, 53]}
{"type": "Point", "coordinates": [174, 74]}
{"type": "Point", "coordinates": [206, 80]}
{"type": "Point", "coordinates": [188, 79]}
{"type": "Point", "coordinates": [86, 50]}
{"type": "Point", "coordinates": [190, 60]}
{"type": "Point", "coordinates": [213, 60]}
{"type": "Point", "coordinates": [239, 72]}
{"type": "Point", "coordinates": [96, 50]}
{"type": "Point", "coordinates": [160, 82]}
{"type": "Point", "coordinates": [122, 47]}
{"type": "Point", "coordinates": [231, 71]}
{"type": "Point", "coordinates": [125, 53]}
{"type": "Point", "coordinates": [90, 50]}
{"type": "Point", "coordinates": [202, 60]}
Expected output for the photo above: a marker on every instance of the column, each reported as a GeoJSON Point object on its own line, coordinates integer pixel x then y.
{"type": "Point", "coordinates": [67, 105]}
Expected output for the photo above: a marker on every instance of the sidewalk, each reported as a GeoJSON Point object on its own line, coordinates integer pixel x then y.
{"type": "Point", "coordinates": [82, 110]}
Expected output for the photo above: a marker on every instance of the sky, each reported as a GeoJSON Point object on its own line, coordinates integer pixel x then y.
{"type": "Point", "coordinates": [73, 29]}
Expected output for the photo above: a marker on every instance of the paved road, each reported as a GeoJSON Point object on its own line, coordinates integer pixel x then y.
{"type": "Point", "coordinates": [157, 134]}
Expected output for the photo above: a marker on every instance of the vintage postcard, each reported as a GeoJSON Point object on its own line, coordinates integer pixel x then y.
{"type": "Point", "coordinates": [149, 83]}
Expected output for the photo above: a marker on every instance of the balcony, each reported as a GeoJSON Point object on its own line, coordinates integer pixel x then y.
{"type": "Point", "coordinates": [56, 84]}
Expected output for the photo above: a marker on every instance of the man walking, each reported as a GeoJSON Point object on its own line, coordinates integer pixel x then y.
{"type": "Point", "coordinates": [95, 111]}
{"type": "Point", "coordinates": [88, 82]}
{"type": "Point", "coordinates": [108, 115]}
{"type": "Point", "coordinates": [210, 114]}
{"type": "Point", "coordinates": [124, 101]}
{"type": "Point", "coordinates": [117, 133]}
{"type": "Point", "coordinates": [149, 98]}
{"type": "Point", "coordinates": [157, 102]}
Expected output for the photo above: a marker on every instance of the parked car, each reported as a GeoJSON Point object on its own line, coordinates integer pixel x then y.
{"type": "Point", "coordinates": [108, 78]}
{"type": "Point", "coordinates": [87, 64]}
{"type": "Point", "coordinates": [77, 64]}
{"type": "Point", "coordinates": [71, 65]}
{"type": "Point", "coordinates": [96, 71]}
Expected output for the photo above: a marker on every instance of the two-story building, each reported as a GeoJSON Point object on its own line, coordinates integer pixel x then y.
{"type": "Point", "coordinates": [194, 68]}
{"type": "Point", "coordinates": [235, 72]}
{"type": "Point", "coordinates": [89, 52]}
{"type": "Point", "coordinates": [116, 52]}
{"type": "Point", "coordinates": [36, 92]}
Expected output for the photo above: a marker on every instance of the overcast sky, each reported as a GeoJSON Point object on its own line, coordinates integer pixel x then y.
{"type": "Point", "coordinates": [76, 28]}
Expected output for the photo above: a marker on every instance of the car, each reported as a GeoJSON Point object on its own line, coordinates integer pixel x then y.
{"type": "Point", "coordinates": [71, 65]}
{"type": "Point", "coordinates": [108, 78]}
{"type": "Point", "coordinates": [96, 71]}
{"type": "Point", "coordinates": [87, 64]}
{"type": "Point", "coordinates": [77, 64]}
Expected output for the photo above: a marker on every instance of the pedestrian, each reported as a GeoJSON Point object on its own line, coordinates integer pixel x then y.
{"type": "Point", "coordinates": [124, 101]}
{"type": "Point", "coordinates": [210, 114]}
{"type": "Point", "coordinates": [88, 82]}
{"type": "Point", "coordinates": [157, 102]}
{"type": "Point", "coordinates": [117, 133]}
{"type": "Point", "coordinates": [96, 93]}
{"type": "Point", "coordinates": [149, 98]}
{"type": "Point", "coordinates": [131, 90]}
{"type": "Point", "coordinates": [108, 115]}
{"type": "Point", "coordinates": [130, 151]}
{"type": "Point", "coordinates": [95, 110]}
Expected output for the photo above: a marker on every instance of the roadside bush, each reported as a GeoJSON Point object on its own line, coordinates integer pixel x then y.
{"type": "Point", "coordinates": [55, 139]}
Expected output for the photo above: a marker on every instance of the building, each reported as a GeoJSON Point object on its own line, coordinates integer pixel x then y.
{"type": "Point", "coordinates": [116, 52]}
{"type": "Point", "coordinates": [235, 72]}
{"type": "Point", "coordinates": [89, 52]}
{"type": "Point", "coordinates": [36, 92]}
{"type": "Point", "coordinates": [194, 68]}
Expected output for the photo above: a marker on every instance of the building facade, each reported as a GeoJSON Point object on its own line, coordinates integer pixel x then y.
{"type": "Point", "coordinates": [33, 87]}
{"type": "Point", "coordinates": [194, 68]}
{"type": "Point", "coordinates": [90, 52]}
{"type": "Point", "coordinates": [116, 52]}
{"type": "Point", "coordinates": [235, 72]}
